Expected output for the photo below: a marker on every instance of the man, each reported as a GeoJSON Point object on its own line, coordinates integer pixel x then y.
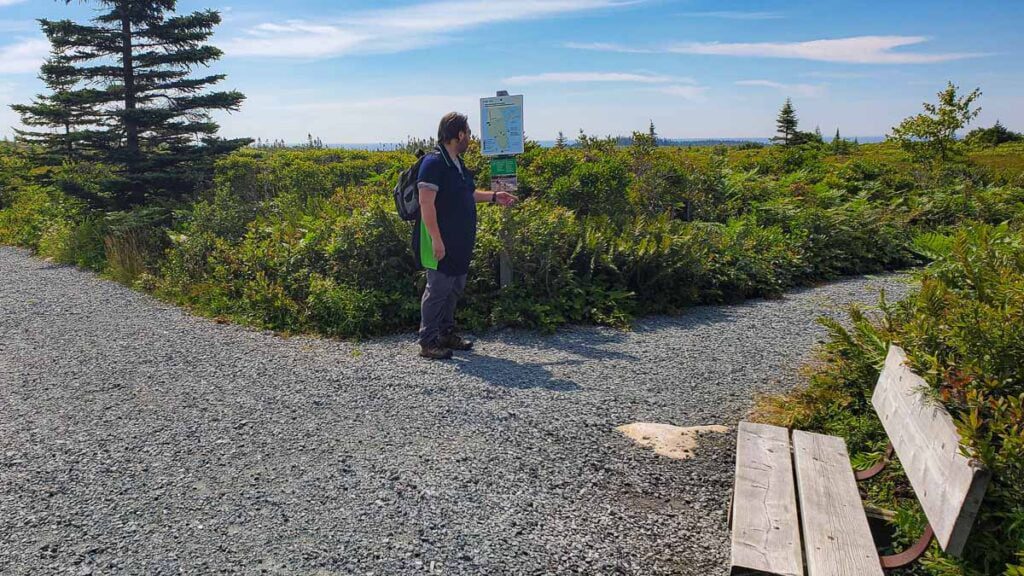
{"type": "Point", "coordinates": [445, 233]}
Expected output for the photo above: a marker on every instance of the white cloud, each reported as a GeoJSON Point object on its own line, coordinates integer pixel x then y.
{"type": "Point", "coordinates": [291, 114]}
{"type": "Point", "coordinates": [691, 93]}
{"type": "Point", "coordinates": [734, 15]}
{"type": "Point", "coordinates": [808, 90]}
{"type": "Point", "coordinates": [23, 57]}
{"type": "Point", "coordinates": [837, 75]}
{"type": "Point", "coordinates": [10, 2]}
{"type": "Point", "coordinates": [857, 49]}
{"type": "Point", "coordinates": [606, 47]}
{"type": "Point", "coordinates": [580, 77]}
{"type": "Point", "coordinates": [395, 29]}
{"type": "Point", "coordinates": [9, 118]}
{"type": "Point", "coordinates": [295, 38]}
{"type": "Point", "coordinates": [449, 14]}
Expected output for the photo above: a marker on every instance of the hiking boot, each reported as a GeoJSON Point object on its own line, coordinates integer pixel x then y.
{"type": "Point", "coordinates": [455, 342]}
{"type": "Point", "coordinates": [435, 351]}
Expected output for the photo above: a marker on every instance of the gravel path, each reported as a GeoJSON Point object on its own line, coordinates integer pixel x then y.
{"type": "Point", "coordinates": [137, 439]}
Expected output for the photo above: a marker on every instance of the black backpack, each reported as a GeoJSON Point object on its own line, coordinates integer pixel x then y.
{"type": "Point", "coordinates": [407, 193]}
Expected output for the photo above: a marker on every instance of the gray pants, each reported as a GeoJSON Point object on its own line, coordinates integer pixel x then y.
{"type": "Point", "coordinates": [437, 309]}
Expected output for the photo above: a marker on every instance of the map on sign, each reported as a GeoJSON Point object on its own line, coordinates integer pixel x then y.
{"type": "Point", "coordinates": [501, 123]}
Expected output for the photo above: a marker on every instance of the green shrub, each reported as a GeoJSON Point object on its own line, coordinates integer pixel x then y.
{"type": "Point", "coordinates": [963, 330]}
{"type": "Point", "coordinates": [135, 242]}
{"type": "Point", "coordinates": [598, 237]}
{"type": "Point", "coordinates": [30, 211]}
{"type": "Point", "coordinates": [340, 310]}
{"type": "Point", "coordinates": [80, 242]}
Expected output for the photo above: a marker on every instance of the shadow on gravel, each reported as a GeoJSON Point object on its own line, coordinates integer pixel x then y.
{"type": "Point", "coordinates": [585, 342]}
{"type": "Point", "coordinates": [694, 317]}
{"type": "Point", "coordinates": [518, 375]}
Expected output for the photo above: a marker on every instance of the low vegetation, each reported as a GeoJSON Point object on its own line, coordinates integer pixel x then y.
{"type": "Point", "coordinates": [306, 239]}
{"type": "Point", "coordinates": [963, 329]}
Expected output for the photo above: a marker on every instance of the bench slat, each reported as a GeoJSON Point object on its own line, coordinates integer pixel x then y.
{"type": "Point", "coordinates": [837, 539]}
{"type": "Point", "coordinates": [949, 486]}
{"type": "Point", "coordinates": [765, 529]}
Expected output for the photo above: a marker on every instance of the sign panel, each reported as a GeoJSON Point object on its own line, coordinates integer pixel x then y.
{"type": "Point", "coordinates": [503, 166]}
{"type": "Point", "coordinates": [501, 125]}
{"type": "Point", "coordinates": [504, 183]}
{"type": "Point", "coordinates": [503, 174]}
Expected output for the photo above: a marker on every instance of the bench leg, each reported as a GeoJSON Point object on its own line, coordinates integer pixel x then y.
{"type": "Point", "coordinates": [873, 471]}
{"type": "Point", "coordinates": [911, 554]}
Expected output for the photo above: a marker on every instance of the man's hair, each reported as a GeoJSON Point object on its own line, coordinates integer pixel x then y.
{"type": "Point", "coordinates": [451, 124]}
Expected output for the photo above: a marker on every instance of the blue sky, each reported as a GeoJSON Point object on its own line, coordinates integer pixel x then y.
{"type": "Point", "coordinates": [378, 71]}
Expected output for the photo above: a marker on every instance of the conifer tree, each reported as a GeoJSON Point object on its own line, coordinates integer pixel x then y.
{"type": "Point", "coordinates": [786, 124]}
{"type": "Point", "coordinates": [66, 111]}
{"type": "Point", "coordinates": [652, 134]}
{"type": "Point", "coordinates": [561, 141]}
{"type": "Point", "coordinates": [146, 115]}
{"type": "Point", "coordinates": [839, 144]}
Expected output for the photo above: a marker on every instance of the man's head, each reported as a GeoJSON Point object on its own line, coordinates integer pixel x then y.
{"type": "Point", "coordinates": [454, 130]}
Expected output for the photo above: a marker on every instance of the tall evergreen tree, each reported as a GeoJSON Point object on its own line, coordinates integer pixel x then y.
{"type": "Point", "coordinates": [786, 124]}
{"type": "Point", "coordinates": [561, 141]}
{"type": "Point", "coordinates": [150, 118]}
{"type": "Point", "coordinates": [652, 134]}
{"type": "Point", "coordinates": [66, 111]}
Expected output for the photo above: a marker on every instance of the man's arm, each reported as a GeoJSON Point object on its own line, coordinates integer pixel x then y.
{"type": "Point", "coordinates": [428, 211]}
{"type": "Point", "coordinates": [503, 198]}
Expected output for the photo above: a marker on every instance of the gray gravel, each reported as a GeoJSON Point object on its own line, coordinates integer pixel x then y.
{"type": "Point", "coordinates": [137, 439]}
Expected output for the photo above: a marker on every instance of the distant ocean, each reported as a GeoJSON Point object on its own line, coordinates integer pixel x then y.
{"type": "Point", "coordinates": [665, 142]}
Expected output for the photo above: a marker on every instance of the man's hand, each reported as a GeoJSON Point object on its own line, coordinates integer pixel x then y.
{"type": "Point", "coordinates": [439, 250]}
{"type": "Point", "coordinates": [505, 198]}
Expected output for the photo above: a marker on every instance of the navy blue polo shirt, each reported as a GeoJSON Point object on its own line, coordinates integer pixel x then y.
{"type": "Point", "coordinates": [456, 211]}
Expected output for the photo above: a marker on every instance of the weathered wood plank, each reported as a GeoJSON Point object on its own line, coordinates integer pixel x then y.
{"type": "Point", "coordinates": [765, 528]}
{"type": "Point", "coordinates": [949, 486]}
{"type": "Point", "coordinates": [837, 539]}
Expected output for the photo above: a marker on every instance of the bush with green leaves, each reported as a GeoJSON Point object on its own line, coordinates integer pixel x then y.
{"type": "Point", "coordinates": [599, 237]}
{"type": "Point", "coordinates": [963, 330]}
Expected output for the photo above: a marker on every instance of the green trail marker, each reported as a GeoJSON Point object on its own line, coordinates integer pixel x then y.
{"type": "Point", "coordinates": [503, 166]}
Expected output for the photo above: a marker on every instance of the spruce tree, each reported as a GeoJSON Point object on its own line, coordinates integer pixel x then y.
{"type": "Point", "coordinates": [652, 134]}
{"type": "Point", "coordinates": [561, 141]}
{"type": "Point", "coordinates": [839, 144]}
{"type": "Point", "coordinates": [150, 118]}
{"type": "Point", "coordinates": [786, 124]}
{"type": "Point", "coordinates": [66, 111]}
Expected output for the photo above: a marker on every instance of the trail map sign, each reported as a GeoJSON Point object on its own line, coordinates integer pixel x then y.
{"type": "Point", "coordinates": [501, 138]}
{"type": "Point", "coordinates": [501, 123]}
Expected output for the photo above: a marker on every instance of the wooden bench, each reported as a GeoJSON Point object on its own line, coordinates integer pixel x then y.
{"type": "Point", "coordinates": [796, 501]}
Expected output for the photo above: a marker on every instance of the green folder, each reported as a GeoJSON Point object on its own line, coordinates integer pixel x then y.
{"type": "Point", "coordinates": [426, 248]}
